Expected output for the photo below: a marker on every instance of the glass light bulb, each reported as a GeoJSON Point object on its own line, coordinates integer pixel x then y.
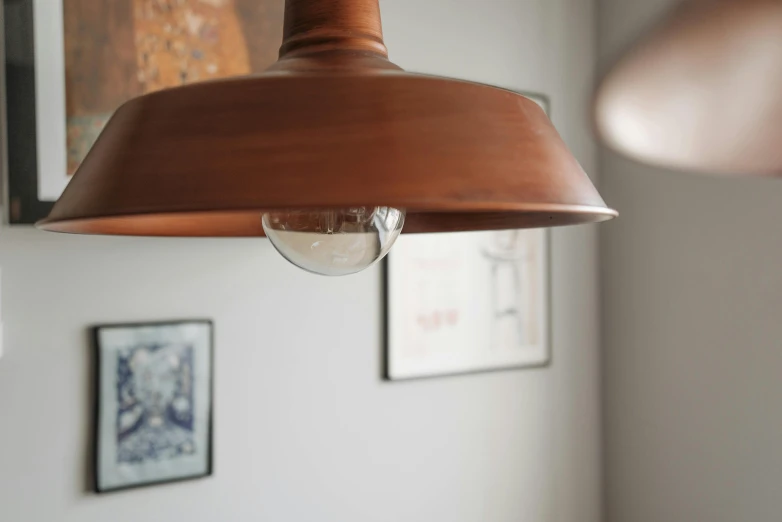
{"type": "Point", "coordinates": [333, 241]}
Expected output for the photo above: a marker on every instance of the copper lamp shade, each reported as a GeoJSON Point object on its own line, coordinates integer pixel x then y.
{"type": "Point", "coordinates": [332, 124]}
{"type": "Point", "coordinates": [702, 92]}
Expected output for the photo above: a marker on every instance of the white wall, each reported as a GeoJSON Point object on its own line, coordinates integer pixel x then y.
{"type": "Point", "coordinates": [692, 333]}
{"type": "Point", "coordinates": [305, 430]}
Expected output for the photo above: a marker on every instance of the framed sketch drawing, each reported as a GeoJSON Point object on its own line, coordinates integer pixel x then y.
{"type": "Point", "coordinates": [153, 415]}
{"type": "Point", "coordinates": [70, 63]}
{"type": "Point", "coordinates": [467, 302]}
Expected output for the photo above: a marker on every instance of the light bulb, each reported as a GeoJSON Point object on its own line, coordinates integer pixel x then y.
{"type": "Point", "coordinates": [333, 241]}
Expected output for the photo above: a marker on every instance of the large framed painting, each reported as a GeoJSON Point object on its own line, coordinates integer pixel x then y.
{"type": "Point", "coordinates": [467, 302]}
{"type": "Point", "coordinates": [153, 413]}
{"type": "Point", "coordinates": [70, 63]}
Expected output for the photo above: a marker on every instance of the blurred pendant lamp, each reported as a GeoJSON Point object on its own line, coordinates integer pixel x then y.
{"type": "Point", "coordinates": [702, 92]}
{"type": "Point", "coordinates": [328, 153]}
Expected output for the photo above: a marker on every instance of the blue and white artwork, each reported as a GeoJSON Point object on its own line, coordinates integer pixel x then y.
{"type": "Point", "coordinates": [155, 403]}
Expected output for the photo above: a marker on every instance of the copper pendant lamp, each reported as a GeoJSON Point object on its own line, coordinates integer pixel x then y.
{"type": "Point", "coordinates": [702, 92]}
{"type": "Point", "coordinates": [331, 125]}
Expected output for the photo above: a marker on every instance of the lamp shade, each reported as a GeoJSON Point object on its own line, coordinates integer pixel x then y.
{"type": "Point", "coordinates": [332, 124]}
{"type": "Point", "coordinates": [702, 92]}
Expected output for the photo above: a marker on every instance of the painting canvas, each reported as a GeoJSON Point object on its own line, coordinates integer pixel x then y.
{"type": "Point", "coordinates": [468, 301]}
{"type": "Point", "coordinates": [71, 63]}
{"type": "Point", "coordinates": [154, 407]}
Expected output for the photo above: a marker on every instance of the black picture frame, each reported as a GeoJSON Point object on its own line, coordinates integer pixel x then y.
{"type": "Point", "coordinates": [24, 206]}
{"type": "Point", "coordinates": [386, 374]}
{"type": "Point", "coordinates": [97, 62]}
{"type": "Point", "coordinates": [97, 405]}
{"type": "Point", "coordinates": [545, 102]}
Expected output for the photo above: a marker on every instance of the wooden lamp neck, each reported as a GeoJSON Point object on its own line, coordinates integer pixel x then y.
{"type": "Point", "coordinates": [313, 26]}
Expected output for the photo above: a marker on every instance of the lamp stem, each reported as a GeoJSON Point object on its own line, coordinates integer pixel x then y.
{"type": "Point", "coordinates": [313, 26]}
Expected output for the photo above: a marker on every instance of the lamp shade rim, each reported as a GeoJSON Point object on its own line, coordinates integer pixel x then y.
{"type": "Point", "coordinates": [247, 222]}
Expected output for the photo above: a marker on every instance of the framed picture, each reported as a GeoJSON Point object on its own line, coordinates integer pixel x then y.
{"type": "Point", "coordinates": [467, 302]}
{"type": "Point", "coordinates": [70, 63]}
{"type": "Point", "coordinates": [153, 413]}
